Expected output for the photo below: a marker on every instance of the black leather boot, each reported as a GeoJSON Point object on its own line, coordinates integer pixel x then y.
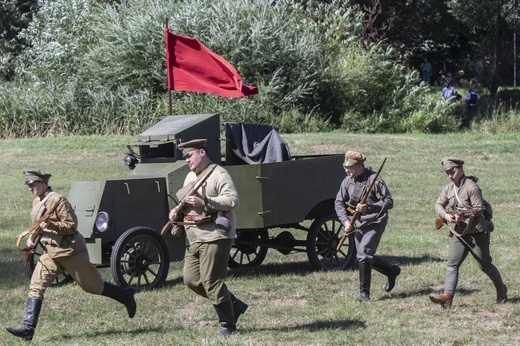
{"type": "Point", "coordinates": [365, 276]}
{"type": "Point", "coordinates": [385, 268]}
{"type": "Point", "coordinates": [123, 295]}
{"type": "Point", "coordinates": [26, 330]}
{"type": "Point", "coordinates": [226, 318]}
{"type": "Point", "coordinates": [239, 307]}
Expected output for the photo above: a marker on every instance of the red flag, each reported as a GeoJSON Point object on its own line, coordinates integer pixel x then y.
{"type": "Point", "coordinates": [191, 66]}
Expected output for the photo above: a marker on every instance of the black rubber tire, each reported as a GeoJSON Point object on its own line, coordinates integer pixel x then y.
{"type": "Point", "coordinates": [322, 241]}
{"type": "Point", "coordinates": [249, 254]}
{"type": "Point", "coordinates": [140, 259]}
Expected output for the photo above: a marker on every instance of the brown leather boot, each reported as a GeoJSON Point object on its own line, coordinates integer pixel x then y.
{"type": "Point", "coordinates": [502, 294]}
{"type": "Point", "coordinates": [444, 299]}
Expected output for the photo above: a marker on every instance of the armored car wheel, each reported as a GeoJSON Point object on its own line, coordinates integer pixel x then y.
{"type": "Point", "coordinates": [247, 251]}
{"type": "Point", "coordinates": [62, 279]}
{"type": "Point", "coordinates": [322, 241]}
{"type": "Point", "coordinates": [140, 259]}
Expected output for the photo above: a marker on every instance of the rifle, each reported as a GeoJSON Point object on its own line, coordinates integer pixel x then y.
{"type": "Point", "coordinates": [182, 203]}
{"type": "Point", "coordinates": [357, 214]}
{"type": "Point", "coordinates": [35, 234]}
{"type": "Point", "coordinates": [439, 221]}
{"type": "Point", "coordinates": [463, 242]}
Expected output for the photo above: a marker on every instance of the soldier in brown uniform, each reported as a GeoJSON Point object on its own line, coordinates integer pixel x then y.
{"type": "Point", "coordinates": [371, 225]}
{"type": "Point", "coordinates": [209, 223]}
{"type": "Point", "coordinates": [461, 194]}
{"type": "Point", "coordinates": [65, 250]}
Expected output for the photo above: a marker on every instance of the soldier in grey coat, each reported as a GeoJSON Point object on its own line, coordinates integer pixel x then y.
{"type": "Point", "coordinates": [371, 225]}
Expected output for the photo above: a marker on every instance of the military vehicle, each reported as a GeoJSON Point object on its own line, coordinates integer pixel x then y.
{"type": "Point", "coordinates": [121, 219]}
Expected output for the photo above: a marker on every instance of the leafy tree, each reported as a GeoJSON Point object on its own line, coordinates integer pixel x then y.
{"type": "Point", "coordinates": [489, 29]}
{"type": "Point", "coordinates": [15, 15]}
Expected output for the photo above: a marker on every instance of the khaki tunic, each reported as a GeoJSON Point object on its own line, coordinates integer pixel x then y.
{"type": "Point", "coordinates": [209, 245]}
{"type": "Point", "coordinates": [470, 197]}
{"type": "Point", "coordinates": [221, 198]}
{"type": "Point", "coordinates": [65, 248]}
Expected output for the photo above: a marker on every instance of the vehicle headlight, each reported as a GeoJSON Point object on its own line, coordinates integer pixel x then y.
{"type": "Point", "coordinates": [130, 161]}
{"type": "Point", "coordinates": [102, 221]}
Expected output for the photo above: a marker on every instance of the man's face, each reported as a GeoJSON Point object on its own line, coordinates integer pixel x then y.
{"type": "Point", "coordinates": [37, 188]}
{"type": "Point", "coordinates": [354, 171]}
{"type": "Point", "coordinates": [194, 159]}
{"type": "Point", "coordinates": [455, 174]}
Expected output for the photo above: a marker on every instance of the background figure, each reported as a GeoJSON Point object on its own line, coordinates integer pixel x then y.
{"type": "Point", "coordinates": [209, 222]}
{"type": "Point", "coordinates": [372, 223]}
{"type": "Point", "coordinates": [65, 250]}
{"type": "Point", "coordinates": [426, 71]}
{"type": "Point", "coordinates": [474, 228]}
{"type": "Point", "coordinates": [472, 98]}
{"type": "Point", "coordinates": [449, 91]}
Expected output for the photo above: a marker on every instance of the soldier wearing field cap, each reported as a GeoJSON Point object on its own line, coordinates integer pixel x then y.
{"type": "Point", "coordinates": [464, 194]}
{"type": "Point", "coordinates": [209, 242]}
{"type": "Point", "coordinates": [372, 223]}
{"type": "Point", "coordinates": [65, 250]}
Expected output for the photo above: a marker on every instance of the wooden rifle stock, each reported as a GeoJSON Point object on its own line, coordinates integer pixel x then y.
{"type": "Point", "coordinates": [357, 214]}
{"type": "Point", "coordinates": [191, 192]}
{"type": "Point", "coordinates": [439, 221]}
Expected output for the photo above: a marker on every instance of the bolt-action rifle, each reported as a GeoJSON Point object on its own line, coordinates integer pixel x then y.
{"type": "Point", "coordinates": [357, 214]}
{"type": "Point", "coordinates": [182, 201]}
{"type": "Point", "coordinates": [35, 233]}
{"type": "Point", "coordinates": [465, 213]}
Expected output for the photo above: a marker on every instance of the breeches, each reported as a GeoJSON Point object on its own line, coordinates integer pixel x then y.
{"type": "Point", "coordinates": [205, 269]}
{"type": "Point", "coordinates": [479, 243]}
{"type": "Point", "coordinates": [78, 266]}
{"type": "Point", "coordinates": [368, 240]}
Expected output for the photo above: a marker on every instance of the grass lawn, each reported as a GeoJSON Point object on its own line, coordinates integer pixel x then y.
{"type": "Point", "coordinates": [290, 304]}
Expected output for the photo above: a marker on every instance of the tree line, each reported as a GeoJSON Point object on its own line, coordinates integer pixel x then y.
{"type": "Point", "coordinates": [97, 66]}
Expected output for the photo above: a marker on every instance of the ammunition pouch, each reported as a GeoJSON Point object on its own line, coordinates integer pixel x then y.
{"type": "Point", "coordinates": [222, 222]}
{"type": "Point", "coordinates": [177, 231]}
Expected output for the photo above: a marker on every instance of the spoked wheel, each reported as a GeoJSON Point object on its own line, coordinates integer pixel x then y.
{"type": "Point", "coordinates": [140, 259]}
{"type": "Point", "coordinates": [246, 252]}
{"type": "Point", "coordinates": [322, 241]}
{"type": "Point", "coordinates": [62, 279]}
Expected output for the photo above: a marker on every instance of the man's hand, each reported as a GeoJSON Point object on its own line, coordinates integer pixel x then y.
{"type": "Point", "coordinates": [195, 201]}
{"type": "Point", "coordinates": [30, 244]}
{"type": "Point", "coordinates": [349, 228]}
{"type": "Point", "coordinates": [452, 218]}
{"type": "Point", "coordinates": [174, 214]}
{"type": "Point", "coordinates": [362, 208]}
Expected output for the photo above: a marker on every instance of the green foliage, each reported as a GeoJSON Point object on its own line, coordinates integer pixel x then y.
{"type": "Point", "coordinates": [87, 48]}
{"type": "Point", "coordinates": [382, 95]}
{"type": "Point", "coordinates": [98, 67]}
{"type": "Point", "coordinates": [56, 110]}
{"type": "Point", "coordinates": [15, 15]}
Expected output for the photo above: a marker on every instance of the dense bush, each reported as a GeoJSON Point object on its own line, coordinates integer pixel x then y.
{"type": "Point", "coordinates": [98, 67]}
{"type": "Point", "coordinates": [93, 50]}
{"type": "Point", "coordinates": [384, 96]}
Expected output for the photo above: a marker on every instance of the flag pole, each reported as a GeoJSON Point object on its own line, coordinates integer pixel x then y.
{"type": "Point", "coordinates": [168, 69]}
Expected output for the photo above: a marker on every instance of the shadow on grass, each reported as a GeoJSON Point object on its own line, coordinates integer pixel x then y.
{"type": "Point", "coordinates": [315, 326]}
{"type": "Point", "coordinates": [304, 268]}
{"type": "Point", "coordinates": [406, 260]}
{"type": "Point", "coordinates": [105, 333]}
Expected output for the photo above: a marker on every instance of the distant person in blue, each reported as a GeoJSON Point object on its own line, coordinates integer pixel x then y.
{"type": "Point", "coordinates": [426, 71]}
{"type": "Point", "coordinates": [472, 98]}
{"type": "Point", "coordinates": [449, 91]}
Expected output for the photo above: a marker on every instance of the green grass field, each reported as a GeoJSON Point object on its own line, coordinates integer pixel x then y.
{"type": "Point", "coordinates": [290, 304]}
